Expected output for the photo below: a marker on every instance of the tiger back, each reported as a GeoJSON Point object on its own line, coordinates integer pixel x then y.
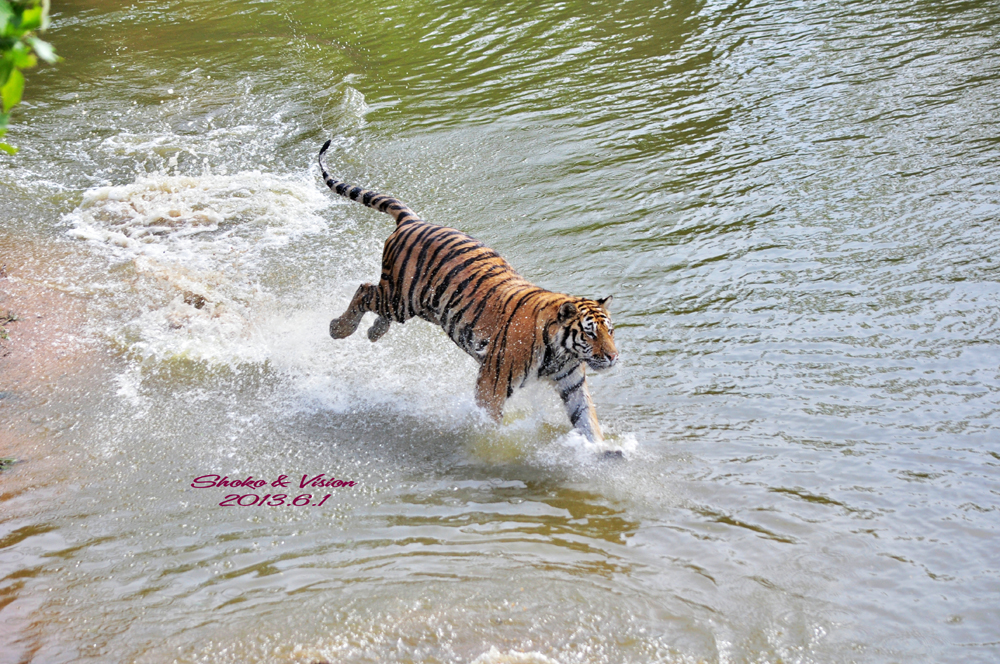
{"type": "Point", "coordinates": [515, 330]}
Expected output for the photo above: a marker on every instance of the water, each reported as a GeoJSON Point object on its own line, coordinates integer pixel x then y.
{"type": "Point", "coordinates": [794, 205]}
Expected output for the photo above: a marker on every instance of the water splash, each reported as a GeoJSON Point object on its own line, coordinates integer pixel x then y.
{"type": "Point", "coordinates": [196, 245]}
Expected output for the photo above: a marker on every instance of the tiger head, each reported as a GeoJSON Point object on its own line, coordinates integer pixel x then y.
{"type": "Point", "coordinates": [588, 333]}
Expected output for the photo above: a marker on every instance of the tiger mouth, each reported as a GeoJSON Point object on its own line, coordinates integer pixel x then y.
{"type": "Point", "coordinates": [601, 363]}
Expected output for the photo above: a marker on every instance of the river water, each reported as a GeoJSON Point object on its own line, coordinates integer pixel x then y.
{"type": "Point", "coordinates": [795, 206]}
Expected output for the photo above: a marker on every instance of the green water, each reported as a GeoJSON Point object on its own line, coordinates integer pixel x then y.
{"type": "Point", "coordinates": [794, 205]}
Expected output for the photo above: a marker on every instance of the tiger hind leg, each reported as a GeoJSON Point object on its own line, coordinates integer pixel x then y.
{"type": "Point", "coordinates": [365, 299]}
{"type": "Point", "coordinates": [378, 328]}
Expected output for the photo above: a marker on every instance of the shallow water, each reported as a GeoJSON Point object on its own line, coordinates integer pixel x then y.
{"type": "Point", "coordinates": [794, 205]}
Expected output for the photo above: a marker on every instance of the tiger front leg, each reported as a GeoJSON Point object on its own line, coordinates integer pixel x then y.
{"type": "Point", "coordinates": [365, 299]}
{"type": "Point", "coordinates": [579, 406]}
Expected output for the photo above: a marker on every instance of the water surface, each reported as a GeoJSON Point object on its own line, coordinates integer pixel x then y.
{"type": "Point", "coordinates": [794, 205]}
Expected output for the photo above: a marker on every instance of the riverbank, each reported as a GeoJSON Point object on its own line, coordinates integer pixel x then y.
{"type": "Point", "coordinates": [44, 353]}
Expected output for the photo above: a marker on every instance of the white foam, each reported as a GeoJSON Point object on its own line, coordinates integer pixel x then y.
{"type": "Point", "coordinates": [157, 215]}
{"type": "Point", "coordinates": [584, 448]}
{"type": "Point", "coordinates": [195, 243]}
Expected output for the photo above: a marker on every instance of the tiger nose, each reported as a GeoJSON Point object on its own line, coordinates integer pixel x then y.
{"type": "Point", "coordinates": [612, 357]}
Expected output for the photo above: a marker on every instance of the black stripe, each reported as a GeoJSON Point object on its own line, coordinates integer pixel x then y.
{"type": "Point", "coordinates": [445, 282]}
{"type": "Point", "coordinates": [420, 240]}
{"type": "Point", "coordinates": [565, 372]}
{"type": "Point", "coordinates": [452, 253]}
{"type": "Point", "coordinates": [367, 198]}
{"type": "Point", "coordinates": [410, 238]}
{"type": "Point", "coordinates": [453, 240]}
{"type": "Point", "coordinates": [457, 316]}
{"type": "Point", "coordinates": [543, 367]}
{"type": "Point", "coordinates": [449, 313]}
{"type": "Point", "coordinates": [531, 351]}
{"type": "Point", "coordinates": [480, 276]}
{"type": "Point", "coordinates": [486, 298]}
{"type": "Point", "coordinates": [485, 255]}
{"type": "Point", "coordinates": [460, 248]}
{"type": "Point", "coordinates": [577, 414]}
{"type": "Point", "coordinates": [404, 239]}
{"type": "Point", "coordinates": [464, 339]}
{"type": "Point", "coordinates": [564, 393]}
{"type": "Point", "coordinates": [425, 247]}
{"type": "Point", "coordinates": [502, 336]}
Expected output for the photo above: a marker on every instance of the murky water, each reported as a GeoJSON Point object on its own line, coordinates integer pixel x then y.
{"type": "Point", "coordinates": [795, 206]}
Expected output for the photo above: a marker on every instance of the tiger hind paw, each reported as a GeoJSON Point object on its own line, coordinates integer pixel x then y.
{"type": "Point", "coordinates": [378, 328]}
{"type": "Point", "coordinates": [341, 328]}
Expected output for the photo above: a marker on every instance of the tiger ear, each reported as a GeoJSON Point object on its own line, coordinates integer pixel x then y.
{"type": "Point", "coordinates": [604, 302]}
{"type": "Point", "coordinates": [566, 311]}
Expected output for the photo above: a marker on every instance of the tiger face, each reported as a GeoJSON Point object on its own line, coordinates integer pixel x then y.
{"type": "Point", "coordinates": [588, 332]}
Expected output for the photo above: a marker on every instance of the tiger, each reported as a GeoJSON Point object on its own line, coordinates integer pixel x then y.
{"type": "Point", "coordinates": [513, 329]}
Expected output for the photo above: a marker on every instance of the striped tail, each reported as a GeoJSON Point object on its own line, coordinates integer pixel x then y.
{"type": "Point", "coordinates": [381, 202]}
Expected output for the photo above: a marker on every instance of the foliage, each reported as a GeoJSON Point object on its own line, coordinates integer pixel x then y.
{"type": "Point", "coordinates": [20, 49]}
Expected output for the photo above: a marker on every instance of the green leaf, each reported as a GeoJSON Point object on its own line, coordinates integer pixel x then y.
{"type": "Point", "coordinates": [43, 49]}
{"type": "Point", "coordinates": [3, 130]}
{"type": "Point", "coordinates": [11, 91]}
{"type": "Point", "coordinates": [6, 15]}
{"type": "Point", "coordinates": [31, 19]}
{"type": "Point", "coordinates": [18, 20]}
{"type": "Point", "coordinates": [22, 58]}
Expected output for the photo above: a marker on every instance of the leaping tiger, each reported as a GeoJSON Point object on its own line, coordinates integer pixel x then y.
{"type": "Point", "coordinates": [514, 330]}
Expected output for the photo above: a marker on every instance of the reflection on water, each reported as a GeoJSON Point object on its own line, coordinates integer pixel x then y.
{"type": "Point", "coordinates": [793, 205]}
